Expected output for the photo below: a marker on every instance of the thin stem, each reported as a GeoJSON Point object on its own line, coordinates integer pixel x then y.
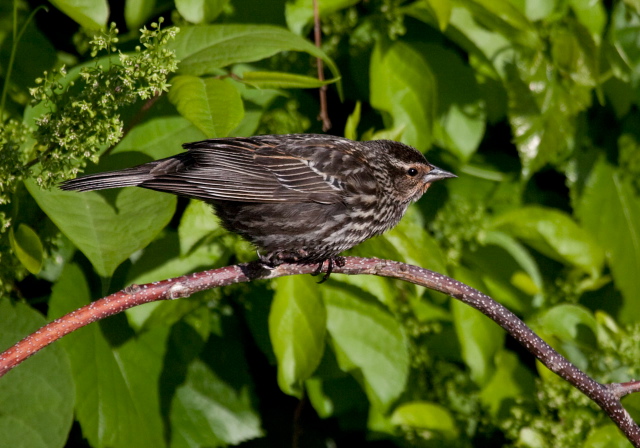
{"type": "Point", "coordinates": [14, 49]}
{"type": "Point", "coordinates": [317, 34]}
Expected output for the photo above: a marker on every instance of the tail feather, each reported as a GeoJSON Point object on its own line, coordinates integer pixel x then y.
{"type": "Point", "coordinates": [129, 177]}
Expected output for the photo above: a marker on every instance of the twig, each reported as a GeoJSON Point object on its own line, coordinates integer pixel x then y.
{"type": "Point", "coordinates": [317, 34]}
{"type": "Point", "coordinates": [606, 396]}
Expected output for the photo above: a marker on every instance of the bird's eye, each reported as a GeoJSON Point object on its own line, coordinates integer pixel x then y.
{"type": "Point", "coordinates": [412, 172]}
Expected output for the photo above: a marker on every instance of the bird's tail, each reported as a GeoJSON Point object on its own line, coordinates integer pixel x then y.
{"type": "Point", "coordinates": [137, 176]}
{"type": "Point", "coordinates": [129, 177]}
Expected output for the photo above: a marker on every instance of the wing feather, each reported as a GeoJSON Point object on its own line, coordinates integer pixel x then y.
{"type": "Point", "coordinates": [259, 169]}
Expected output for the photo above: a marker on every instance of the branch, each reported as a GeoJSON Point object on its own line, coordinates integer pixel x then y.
{"type": "Point", "coordinates": [606, 396]}
{"type": "Point", "coordinates": [317, 35]}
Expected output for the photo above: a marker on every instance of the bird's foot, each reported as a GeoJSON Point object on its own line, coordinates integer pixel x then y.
{"type": "Point", "coordinates": [273, 259]}
{"type": "Point", "coordinates": [338, 261]}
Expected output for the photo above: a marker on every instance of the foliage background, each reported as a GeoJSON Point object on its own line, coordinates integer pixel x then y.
{"type": "Point", "coordinates": [533, 103]}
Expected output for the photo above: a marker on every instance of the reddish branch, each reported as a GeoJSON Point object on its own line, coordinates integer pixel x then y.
{"type": "Point", "coordinates": [317, 34]}
{"type": "Point", "coordinates": [607, 396]}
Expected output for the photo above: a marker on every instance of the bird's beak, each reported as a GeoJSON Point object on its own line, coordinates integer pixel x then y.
{"type": "Point", "coordinates": [437, 174]}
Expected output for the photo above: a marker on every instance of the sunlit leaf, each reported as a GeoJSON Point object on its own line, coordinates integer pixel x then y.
{"type": "Point", "coordinates": [368, 342]}
{"type": "Point", "coordinates": [213, 105]}
{"type": "Point", "coordinates": [610, 209]}
{"type": "Point", "coordinates": [297, 330]}
{"type": "Point", "coordinates": [107, 227]}
{"type": "Point", "coordinates": [403, 85]}
{"type": "Point", "coordinates": [90, 14]}
{"type": "Point", "coordinates": [27, 246]}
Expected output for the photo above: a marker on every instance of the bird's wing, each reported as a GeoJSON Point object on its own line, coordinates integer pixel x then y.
{"type": "Point", "coordinates": [247, 170]}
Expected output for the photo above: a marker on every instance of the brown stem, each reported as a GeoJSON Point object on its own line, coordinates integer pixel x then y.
{"type": "Point", "coordinates": [317, 34]}
{"type": "Point", "coordinates": [622, 389]}
{"type": "Point", "coordinates": [606, 396]}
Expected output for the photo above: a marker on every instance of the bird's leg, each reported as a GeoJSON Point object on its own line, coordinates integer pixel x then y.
{"type": "Point", "coordinates": [338, 261]}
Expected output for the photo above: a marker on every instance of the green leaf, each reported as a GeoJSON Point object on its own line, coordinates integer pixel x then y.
{"type": "Point", "coordinates": [479, 337]}
{"type": "Point", "coordinates": [423, 415]}
{"type": "Point", "coordinates": [281, 80]}
{"type": "Point", "coordinates": [213, 403]}
{"type": "Point", "coordinates": [570, 329]}
{"type": "Point", "coordinates": [137, 12]}
{"type": "Point", "coordinates": [108, 226]}
{"type": "Point", "coordinates": [351, 127]}
{"type": "Point", "coordinates": [204, 49]}
{"type": "Point", "coordinates": [368, 342]}
{"type": "Point", "coordinates": [27, 246]}
{"type": "Point", "coordinates": [570, 323]}
{"type": "Point", "coordinates": [403, 85]}
{"type": "Point", "coordinates": [90, 14]}
{"type": "Point", "coordinates": [441, 10]}
{"type": "Point", "coordinates": [299, 13]}
{"type": "Point", "coordinates": [208, 412]}
{"type": "Point", "coordinates": [610, 209]}
{"type": "Point", "coordinates": [540, 9]}
{"type": "Point", "coordinates": [297, 331]}
{"type": "Point", "coordinates": [535, 284]}
{"type": "Point", "coordinates": [37, 397]}
{"type": "Point", "coordinates": [162, 259]}
{"type": "Point", "coordinates": [554, 234]}
{"type": "Point", "coordinates": [213, 105]}
{"type": "Point", "coordinates": [510, 382]}
{"type": "Point", "coordinates": [117, 390]}
{"type": "Point", "coordinates": [198, 222]}
{"type": "Point", "coordinates": [504, 17]}
{"type": "Point", "coordinates": [461, 114]}
{"type": "Point", "coordinates": [592, 15]}
{"type": "Point", "coordinates": [200, 11]}
{"type": "Point", "coordinates": [160, 137]}
{"type": "Point", "coordinates": [606, 436]}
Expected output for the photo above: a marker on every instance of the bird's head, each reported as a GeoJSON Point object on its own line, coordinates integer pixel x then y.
{"type": "Point", "coordinates": [410, 173]}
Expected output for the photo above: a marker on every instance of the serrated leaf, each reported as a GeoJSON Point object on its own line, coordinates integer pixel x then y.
{"type": "Point", "coordinates": [213, 105]}
{"type": "Point", "coordinates": [610, 209]}
{"type": "Point", "coordinates": [37, 397]}
{"type": "Point", "coordinates": [118, 400]}
{"type": "Point", "coordinates": [297, 331]}
{"type": "Point", "coordinates": [27, 246]}
{"type": "Point", "coordinates": [107, 229]}
{"type": "Point", "coordinates": [90, 14]}
{"type": "Point", "coordinates": [368, 342]}
{"type": "Point", "coordinates": [282, 80]}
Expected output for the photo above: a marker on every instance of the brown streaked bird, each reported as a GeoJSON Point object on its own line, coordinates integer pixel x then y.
{"type": "Point", "coordinates": [301, 198]}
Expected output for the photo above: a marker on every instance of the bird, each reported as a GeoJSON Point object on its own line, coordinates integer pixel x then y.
{"type": "Point", "coordinates": [298, 198]}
